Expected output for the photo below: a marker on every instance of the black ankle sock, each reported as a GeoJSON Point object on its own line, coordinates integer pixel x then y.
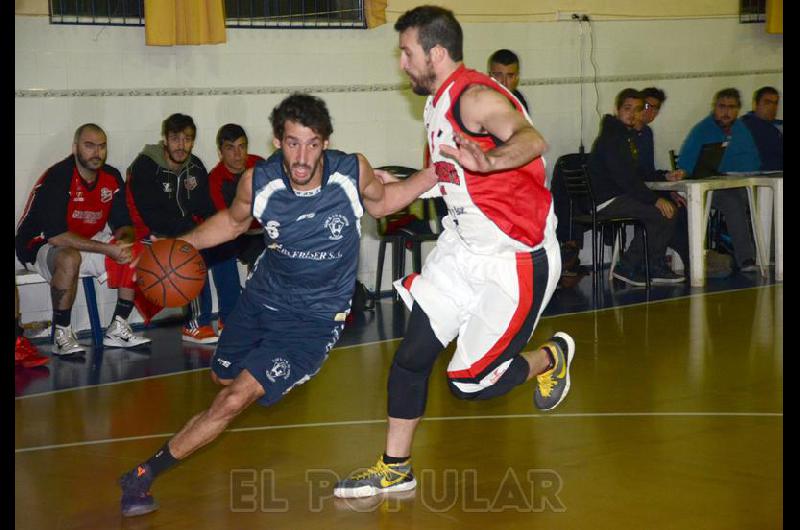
{"type": "Point", "coordinates": [19, 330]}
{"type": "Point", "coordinates": [394, 459]}
{"type": "Point", "coordinates": [161, 461]}
{"type": "Point", "coordinates": [123, 309]}
{"type": "Point", "coordinates": [62, 317]}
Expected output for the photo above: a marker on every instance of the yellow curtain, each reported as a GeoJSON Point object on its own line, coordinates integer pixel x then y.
{"type": "Point", "coordinates": [175, 22]}
{"type": "Point", "coordinates": [775, 16]}
{"type": "Point", "coordinates": [376, 12]}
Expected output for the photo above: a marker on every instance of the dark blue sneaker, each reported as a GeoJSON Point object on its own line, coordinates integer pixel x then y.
{"type": "Point", "coordinates": [629, 275]}
{"type": "Point", "coordinates": [136, 498]}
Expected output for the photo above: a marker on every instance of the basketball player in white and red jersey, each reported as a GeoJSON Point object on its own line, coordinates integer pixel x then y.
{"type": "Point", "coordinates": [495, 265]}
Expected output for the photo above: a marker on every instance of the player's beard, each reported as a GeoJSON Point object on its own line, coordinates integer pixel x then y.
{"type": "Point", "coordinates": [423, 84]}
{"type": "Point", "coordinates": [174, 159]}
{"type": "Point", "coordinates": [312, 170]}
{"type": "Point", "coordinates": [89, 164]}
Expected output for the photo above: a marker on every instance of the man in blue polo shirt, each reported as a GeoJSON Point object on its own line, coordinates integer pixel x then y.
{"type": "Point", "coordinates": [740, 154]}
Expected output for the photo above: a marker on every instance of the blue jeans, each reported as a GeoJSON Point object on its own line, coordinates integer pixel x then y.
{"type": "Point", "coordinates": [222, 265]}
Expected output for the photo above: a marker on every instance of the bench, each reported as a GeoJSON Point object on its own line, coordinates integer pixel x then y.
{"type": "Point", "coordinates": [27, 277]}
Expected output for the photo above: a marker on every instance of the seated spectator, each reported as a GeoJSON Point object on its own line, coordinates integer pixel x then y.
{"type": "Point", "coordinates": [740, 154]}
{"type": "Point", "coordinates": [504, 67]}
{"type": "Point", "coordinates": [762, 125]}
{"type": "Point", "coordinates": [168, 196]}
{"type": "Point", "coordinates": [233, 161]}
{"type": "Point", "coordinates": [620, 190]}
{"type": "Point", "coordinates": [61, 236]}
{"type": "Point", "coordinates": [654, 99]}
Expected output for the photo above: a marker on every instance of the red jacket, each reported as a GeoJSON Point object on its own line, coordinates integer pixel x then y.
{"type": "Point", "coordinates": [222, 184]}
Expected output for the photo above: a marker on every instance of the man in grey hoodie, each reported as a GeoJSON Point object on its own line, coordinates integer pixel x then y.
{"type": "Point", "coordinates": [168, 195]}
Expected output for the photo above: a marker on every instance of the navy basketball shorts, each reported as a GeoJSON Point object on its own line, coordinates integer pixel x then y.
{"type": "Point", "coordinates": [281, 350]}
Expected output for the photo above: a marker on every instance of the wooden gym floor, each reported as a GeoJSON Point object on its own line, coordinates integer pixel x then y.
{"type": "Point", "coordinates": [674, 420]}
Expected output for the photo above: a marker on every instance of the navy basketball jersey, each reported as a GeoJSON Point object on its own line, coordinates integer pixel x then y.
{"type": "Point", "coordinates": [312, 238]}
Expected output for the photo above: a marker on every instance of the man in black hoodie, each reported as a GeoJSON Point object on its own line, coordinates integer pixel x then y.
{"type": "Point", "coordinates": [619, 189]}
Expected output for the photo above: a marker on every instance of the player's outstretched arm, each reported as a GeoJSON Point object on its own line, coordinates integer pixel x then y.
{"type": "Point", "coordinates": [226, 224]}
{"type": "Point", "coordinates": [383, 194]}
{"type": "Point", "coordinates": [487, 111]}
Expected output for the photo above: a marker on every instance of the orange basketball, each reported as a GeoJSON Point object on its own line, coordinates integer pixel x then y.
{"type": "Point", "coordinates": [170, 272]}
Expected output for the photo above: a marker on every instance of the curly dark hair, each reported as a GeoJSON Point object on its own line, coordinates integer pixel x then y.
{"type": "Point", "coordinates": [435, 25]}
{"type": "Point", "coordinates": [309, 111]}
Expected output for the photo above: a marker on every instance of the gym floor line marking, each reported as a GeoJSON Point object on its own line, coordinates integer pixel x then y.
{"type": "Point", "coordinates": [439, 418]}
{"type": "Point", "coordinates": [360, 345]}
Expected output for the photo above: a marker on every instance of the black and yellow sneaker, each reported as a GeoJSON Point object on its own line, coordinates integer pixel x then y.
{"type": "Point", "coordinates": [552, 385]}
{"type": "Point", "coordinates": [380, 478]}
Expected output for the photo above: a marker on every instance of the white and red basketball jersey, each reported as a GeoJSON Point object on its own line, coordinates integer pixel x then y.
{"type": "Point", "coordinates": [503, 211]}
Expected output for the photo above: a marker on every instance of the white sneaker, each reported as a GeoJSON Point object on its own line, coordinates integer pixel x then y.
{"type": "Point", "coordinates": [120, 335]}
{"type": "Point", "coordinates": [65, 342]}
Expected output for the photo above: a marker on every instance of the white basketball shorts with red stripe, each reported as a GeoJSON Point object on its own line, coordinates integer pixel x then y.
{"type": "Point", "coordinates": [492, 303]}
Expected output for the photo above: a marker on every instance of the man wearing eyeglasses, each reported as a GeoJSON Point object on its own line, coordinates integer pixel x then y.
{"type": "Point", "coordinates": [740, 154]}
{"type": "Point", "coordinates": [654, 98]}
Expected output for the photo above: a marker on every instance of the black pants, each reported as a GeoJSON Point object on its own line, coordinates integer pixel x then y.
{"type": "Point", "coordinates": [660, 230]}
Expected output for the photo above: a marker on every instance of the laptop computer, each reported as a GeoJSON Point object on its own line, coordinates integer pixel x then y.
{"type": "Point", "coordinates": [708, 160]}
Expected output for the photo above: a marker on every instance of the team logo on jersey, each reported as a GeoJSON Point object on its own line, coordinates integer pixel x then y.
{"type": "Point", "coordinates": [280, 368]}
{"type": "Point", "coordinates": [191, 183]}
{"type": "Point", "coordinates": [336, 223]}
{"type": "Point", "coordinates": [105, 195]}
{"type": "Point", "coordinates": [446, 172]}
{"type": "Point", "coordinates": [272, 229]}
{"type": "Point", "coordinates": [167, 186]}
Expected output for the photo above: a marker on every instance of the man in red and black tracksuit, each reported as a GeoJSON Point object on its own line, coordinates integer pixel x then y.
{"type": "Point", "coordinates": [61, 236]}
{"type": "Point", "coordinates": [233, 161]}
{"type": "Point", "coordinates": [168, 195]}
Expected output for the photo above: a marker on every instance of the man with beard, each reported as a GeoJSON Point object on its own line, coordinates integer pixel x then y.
{"type": "Point", "coordinates": [740, 154]}
{"type": "Point", "coordinates": [495, 265]}
{"type": "Point", "coordinates": [168, 195]}
{"type": "Point", "coordinates": [292, 311]}
{"type": "Point", "coordinates": [61, 236]}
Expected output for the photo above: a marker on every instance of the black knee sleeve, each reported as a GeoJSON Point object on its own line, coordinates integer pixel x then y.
{"type": "Point", "coordinates": [411, 368]}
{"type": "Point", "coordinates": [408, 392]}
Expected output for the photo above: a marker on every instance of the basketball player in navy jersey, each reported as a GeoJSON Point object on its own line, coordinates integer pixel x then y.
{"type": "Point", "coordinates": [310, 200]}
{"type": "Point", "coordinates": [495, 265]}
